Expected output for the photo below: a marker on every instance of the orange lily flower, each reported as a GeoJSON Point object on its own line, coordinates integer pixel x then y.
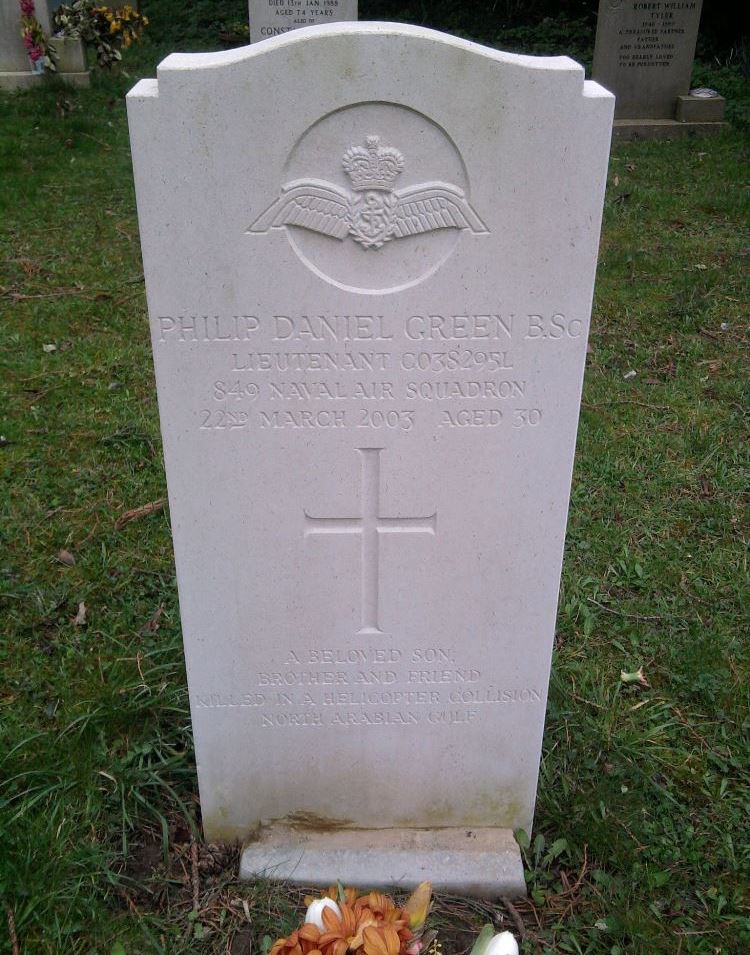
{"type": "Point", "coordinates": [381, 940]}
{"type": "Point", "coordinates": [304, 941]}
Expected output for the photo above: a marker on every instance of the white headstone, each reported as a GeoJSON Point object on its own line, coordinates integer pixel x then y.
{"type": "Point", "coordinates": [274, 17]}
{"type": "Point", "coordinates": [369, 296]}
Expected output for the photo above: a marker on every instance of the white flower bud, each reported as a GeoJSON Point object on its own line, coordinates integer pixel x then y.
{"type": "Point", "coordinates": [502, 944]}
{"type": "Point", "coordinates": [314, 913]}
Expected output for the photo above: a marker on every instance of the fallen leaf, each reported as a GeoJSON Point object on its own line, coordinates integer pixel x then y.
{"type": "Point", "coordinates": [65, 557]}
{"type": "Point", "coordinates": [151, 508]}
{"type": "Point", "coordinates": [153, 624]}
{"type": "Point", "coordinates": [80, 618]}
{"type": "Point", "coordinates": [29, 266]}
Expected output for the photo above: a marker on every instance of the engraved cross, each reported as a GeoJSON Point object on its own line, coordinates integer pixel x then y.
{"type": "Point", "coordinates": [369, 526]}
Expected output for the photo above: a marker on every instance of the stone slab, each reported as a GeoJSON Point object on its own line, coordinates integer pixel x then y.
{"type": "Point", "coordinates": [643, 53]}
{"type": "Point", "coordinates": [654, 129]}
{"type": "Point", "coordinates": [13, 82]}
{"type": "Point", "coordinates": [13, 56]}
{"type": "Point", "coordinates": [15, 66]}
{"type": "Point", "coordinates": [478, 862]}
{"type": "Point", "coordinates": [270, 18]}
{"type": "Point", "coordinates": [71, 55]}
{"type": "Point", "coordinates": [369, 292]}
{"type": "Point", "coordinates": [700, 109]}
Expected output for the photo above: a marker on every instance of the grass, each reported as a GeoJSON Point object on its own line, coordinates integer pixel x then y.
{"type": "Point", "coordinates": [641, 833]}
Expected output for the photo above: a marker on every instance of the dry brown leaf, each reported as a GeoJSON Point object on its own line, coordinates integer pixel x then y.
{"type": "Point", "coordinates": [137, 512]}
{"type": "Point", "coordinates": [153, 624]}
{"type": "Point", "coordinates": [65, 557]}
{"type": "Point", "coordinates": [80, 618]}
{"type": "Point", "coordinates": [29, 266]}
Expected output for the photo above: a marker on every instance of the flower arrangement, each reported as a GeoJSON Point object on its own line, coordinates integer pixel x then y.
{"type": "Point", "coordinates": [107, 30]}
{"type": "Point", "coordinates": [344, 921]}
{"type": "Point", "coordinates": [40, 50]}
{"type": "Point", "coordinates": [370, 924]}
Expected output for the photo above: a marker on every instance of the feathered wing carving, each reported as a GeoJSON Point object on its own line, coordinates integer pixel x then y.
{"type": "Point", "coordinates": [310, 204]}
{"type": "Point", "coordinates": [434, 205]}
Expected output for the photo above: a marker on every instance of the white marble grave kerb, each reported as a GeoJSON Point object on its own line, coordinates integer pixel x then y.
{"type": "Point", "coordinates": [369, 253]}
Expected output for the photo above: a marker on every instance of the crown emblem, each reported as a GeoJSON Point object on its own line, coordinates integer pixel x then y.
{"type": "Point", "coordinates": [372, 166]}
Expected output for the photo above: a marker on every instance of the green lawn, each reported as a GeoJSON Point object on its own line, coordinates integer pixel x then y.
{"type": "Point", "coordinates": [641, 842]}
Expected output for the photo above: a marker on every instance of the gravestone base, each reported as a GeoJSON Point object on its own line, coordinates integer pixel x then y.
{"type": "Point", "coordinates": [10, 82]}
{"type": "Point", "coordinates": [71, 68]}
{"type": "Point", "coordinates": [700, 109]}
{"type": "Point", "coordinates": [477, 862]}
{"type": "Point", "coordinates": [632, 129]}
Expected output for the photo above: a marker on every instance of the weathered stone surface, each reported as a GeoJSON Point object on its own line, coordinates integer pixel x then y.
{"type": "Point", "coordinates": [480, 862]}
{"type": "Point", "coordinates": [644, 54]}
{"type": "Point", "coordinates": [15, 66]}
{"type": "Point", "coordinates": [369, 294]}
{"type": "Point", "coordinates": [13, 56]}
{"type": "Point", "coordinates": [700, 109]}
{"type": "Point", "coordinates": [661, 129]}
{"type": "Point", "coordinates": [275, 17]}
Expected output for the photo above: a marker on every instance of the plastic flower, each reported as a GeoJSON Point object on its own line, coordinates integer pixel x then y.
{"type": "Point", "coordinates": [302, 942]}
{"type": "Point", "coordinates": [341, 931]}
{"type": "Point", "coordinates": [381, 940]}
{"type": "Point", "coordinates": [314, 914]}
{"type": "Point", "coordinates": [343, 922]}
{"type": "Point", "coordinates": [488, 943]}
{"type": "Point", "coordinates": [502, 944]}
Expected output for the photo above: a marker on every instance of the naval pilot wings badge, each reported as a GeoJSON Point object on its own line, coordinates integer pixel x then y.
{"type": "Point", "coordinates": [373, 213]}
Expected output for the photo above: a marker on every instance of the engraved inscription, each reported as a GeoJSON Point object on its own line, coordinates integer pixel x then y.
{"type": "Point", "coordinates": [333, 372]}
{"type": "Point", "coordinates": [651, 37]}
{"type": "Point", "coordinates": [373, 212]}
{"type": "Point", "coordinates": [369, 526]}
{"type": "Point", "coordinates": [361, 685]}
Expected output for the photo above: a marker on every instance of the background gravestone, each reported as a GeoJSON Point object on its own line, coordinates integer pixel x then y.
{"type": "Point", "coordinates": [15, 66]}
{"type": "Point", "coordinates": [644, 54]}
{"type": "Point", "coordinates": [275, 17]}
{"type": "Point", "coordinates": [369, 333]}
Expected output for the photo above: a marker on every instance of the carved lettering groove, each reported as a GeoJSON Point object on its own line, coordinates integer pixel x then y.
{"type": "Point", "coordinates": [370, 686]}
